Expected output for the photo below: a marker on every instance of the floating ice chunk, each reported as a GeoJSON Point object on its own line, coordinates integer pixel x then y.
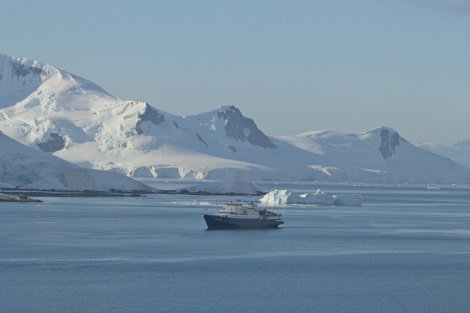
{"type": "Point", "coordinates": [284, 196]}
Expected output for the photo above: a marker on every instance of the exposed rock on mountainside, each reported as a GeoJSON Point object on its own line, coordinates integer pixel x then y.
{"type": "Point", "coordinates": [241, 128]}
{"type": "Point", "coordinates": [390, 140]}
{"type": "Point", "coordinates": [55, 143]}
{"type": "Point", "coordinates": [151, 115]}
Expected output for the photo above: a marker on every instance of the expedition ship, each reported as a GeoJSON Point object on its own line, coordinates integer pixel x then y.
{"type": "Point", "coordinates": [240, 215]}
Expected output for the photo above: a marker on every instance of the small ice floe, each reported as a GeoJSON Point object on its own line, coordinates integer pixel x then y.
{"type": "Point", "coordinates": [283, 197]}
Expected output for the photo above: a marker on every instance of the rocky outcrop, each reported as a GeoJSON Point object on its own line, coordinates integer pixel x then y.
{"type": "Point", "coordinates": [389, 141]}
{"type": "Point", "coordinates": [244, 129]}
{"type": "Point", "coordinates": [151, 115]}
{"type": "Point", "coordinates": [55, 143]}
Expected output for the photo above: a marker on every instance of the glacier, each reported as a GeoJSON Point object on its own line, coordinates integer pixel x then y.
{"type": "Point", "coordinates": [24, 168]}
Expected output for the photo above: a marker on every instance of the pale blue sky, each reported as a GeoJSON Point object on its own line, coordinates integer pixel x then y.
{"type": "Point", "coordinates": [293, 66]}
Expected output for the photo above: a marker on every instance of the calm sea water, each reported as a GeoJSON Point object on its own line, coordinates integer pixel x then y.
{"type": "Point", "coordinates": [406, 249]}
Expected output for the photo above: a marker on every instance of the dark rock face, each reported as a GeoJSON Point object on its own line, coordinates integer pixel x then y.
{"type": "Point", "coordinates": [151, 115]}
{"type": "Point", "coordinates": [55, 143]}
{"type": "Point", "coordinates": [22, 70]}
{"type": "Point", "coordinates": [201, 140]}
{"type": "Point", "coordinates": [244, 129]}
{"type": "Point", "coordinates": [389, 141]}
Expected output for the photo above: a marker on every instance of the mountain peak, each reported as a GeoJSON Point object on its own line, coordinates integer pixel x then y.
{"type": "Point", "coordinates": [20, 77]}
{"type": "Point", "coordinates": [242, 128]}
{"type": "Point", "coordinates": [151, 115]}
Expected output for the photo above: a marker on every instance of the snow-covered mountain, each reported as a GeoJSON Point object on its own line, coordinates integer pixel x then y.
{"type": "Point", "coordinates": [74, 119]}
{"type": "Point", "coordinates": [459, 151]}
{"type": "Point", "coordinates": [379, 155]}
{"type": "Point", "coordinates": [27, 168]}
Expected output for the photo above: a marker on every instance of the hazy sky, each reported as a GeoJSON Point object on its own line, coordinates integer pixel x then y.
{"type": "Point", "coordinates": [292, 66]}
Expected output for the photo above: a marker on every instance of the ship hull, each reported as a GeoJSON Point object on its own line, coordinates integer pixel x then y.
{"type": "Point", "coordinates": [222, 222]}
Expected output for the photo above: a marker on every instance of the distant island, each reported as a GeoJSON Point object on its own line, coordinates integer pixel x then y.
{"type": "Point", "coordinates": [16, 198]}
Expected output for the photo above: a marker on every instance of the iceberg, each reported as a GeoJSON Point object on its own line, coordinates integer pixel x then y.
{"type": "Point", "coordinates": [284, 197]}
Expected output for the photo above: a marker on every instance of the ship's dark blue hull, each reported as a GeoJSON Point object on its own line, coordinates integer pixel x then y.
{"type": "Point", "coordinates": [221, 222]}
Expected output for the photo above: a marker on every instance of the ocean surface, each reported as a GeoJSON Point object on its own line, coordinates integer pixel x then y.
{"type": "Point", "coordinates": [406, 249]}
